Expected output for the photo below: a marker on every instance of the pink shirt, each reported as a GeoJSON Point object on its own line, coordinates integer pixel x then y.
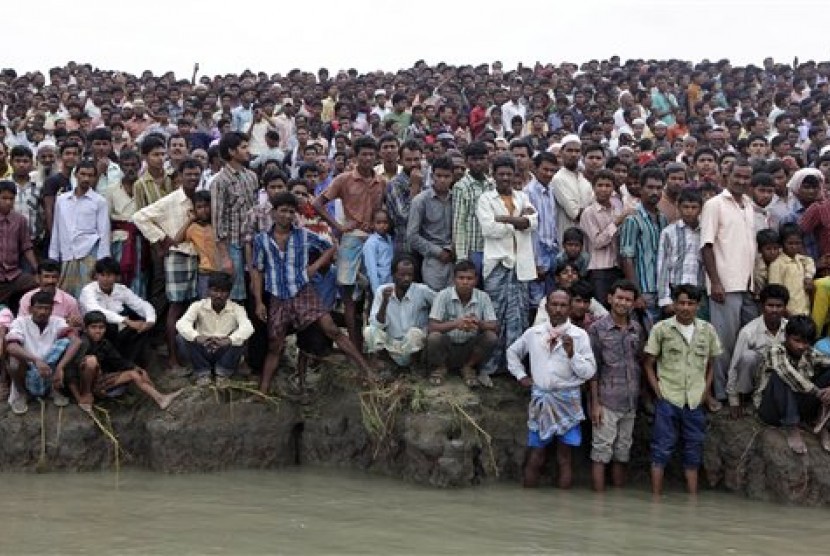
{"type": "Point", "coordinates": [730, 230]}
{"type": "Point", "coordinates": [65, 305]}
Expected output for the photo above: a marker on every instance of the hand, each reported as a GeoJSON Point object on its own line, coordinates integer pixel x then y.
{"type": "Point", "coordinates": [387, 292]}
{"type": "Point", "coordinates": [43, 369]}
{"type": "Point", "coordinates": [736, 411]}
{"type": "Point", "coordinates": [824, 396]}
{"type": "Point", "coordinates": [718, 293]}
{"type": "Point", "coordinates": [568, 345]}
{"type": "Point", "coordinates": [596, 414]}
{"type": "Point", "coordinates": [527, 211]}
{"type": "Point", "coordinates": [808, 285]}
{"type": "Point", "coordinates": [102, 164]}
{"type": "Point", "coordinates": [75, 321]}
{"type": "Point", "coordinates": [202, 340]}
{"type": "Point", "coordinates": [222, 342]}
{"type": "Point", "coordinates": [446, 256]}
{"type": "Point", "coordinates": [163, 246]}
{"type": "Point", "coordinates": [261, 312]}
{"type": "Point", "coordinates": [57, 378]}
{"type": "Point", "coordinates": [348, 227]}
{"type": "Point", "coordinates": [541, 272]}
{"type": "Point", "coordinates": [526, 382]}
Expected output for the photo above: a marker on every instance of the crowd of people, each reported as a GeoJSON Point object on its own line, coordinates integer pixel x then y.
{"type": "Point", "coordinates": [648, 236]}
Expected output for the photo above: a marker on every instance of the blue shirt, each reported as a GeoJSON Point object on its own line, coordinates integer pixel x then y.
{"type": "Point", "coordinates": [285, 273]}
{"type": "Point", "coordinates": [640, 240]}
{"type": "Point", "coordinates": [377, 257]}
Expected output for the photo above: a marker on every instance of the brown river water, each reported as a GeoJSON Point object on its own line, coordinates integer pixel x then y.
{"type": "Point", "coordinates": [322, 511]}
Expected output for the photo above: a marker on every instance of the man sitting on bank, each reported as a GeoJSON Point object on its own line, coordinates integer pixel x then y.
{"type": "Point", "coordinates": [462, 328]}
{"type": "Point", "coordinates": [39, 346]}
{"type": "Point", "coordinates": [794, 384]}
{"type": "Point", "coordinates": [213, 332]}
{"type": "Point", "coordinates": [399, 316]}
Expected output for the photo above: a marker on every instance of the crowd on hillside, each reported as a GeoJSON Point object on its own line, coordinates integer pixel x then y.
{"type": "Point", "coordinates": [649, 236]}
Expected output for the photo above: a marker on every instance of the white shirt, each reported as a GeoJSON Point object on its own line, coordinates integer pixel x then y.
{"type": "Point", "coordinates": [504, 244]}
{"type": "Point", "coordinates": [402, 314]}
{"type": "Point", "coordinates": [573, 194]}
{"type": "Point", "coordinates": [166, 217]}
{"type": "Point", "coordinates": [80, 224]}
{"type": "Point", "coordinates": [511, 109]}
{"type": "Point", "coordinates": [551, 368]}
{"type": "Point", "coordinates": [753, 338]}
{"type": "Point", "coordinates": [92, 298]}
{"type": "Point", "coordinates": [202, 320]}
{"type": "Point", "coordinates": [35, 341]}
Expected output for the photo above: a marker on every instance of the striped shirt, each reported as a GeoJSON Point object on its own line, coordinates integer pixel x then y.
{"type": "Point", "coordinates": [147, 190]}
{"type": "Point", "coordinates": [678, 260]}
{"type": "Point", "coordinates": [285, 273]}
{"type": "Point", "coordinates": [466, 230]}
{"type": "Point", "coordinates": [639, 240]}
{"type": "Point", "coordinates": [232, 195]}
{"type": "Point", "coordinates": [544, 201]}
{"type": "Point", "coordinates": [797, 375]}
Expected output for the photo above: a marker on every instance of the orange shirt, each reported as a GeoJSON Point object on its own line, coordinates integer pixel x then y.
{"type": "Point", "coordinates": [204, 242]}
{"type": "Point", "coordinates": [360, 196]}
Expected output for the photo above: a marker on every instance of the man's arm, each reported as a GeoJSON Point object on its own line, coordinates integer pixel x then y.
{"type": "Point", "coordinates": [460, 209]}
{"type": "Point", "coordinates": [416, 241]}
{"type": "Point", "coordinates": [244, 327]}
{"type": "Point", "coordinates": [515, 353]}
{"type": "Point", "coordinates": [186, 325]}
{"type": "Point", "coordinates": [103, 225]}
{"type": "Point", "coordinates": [68, 355]}
{"type": "Point", "coordinates": [665, 256]}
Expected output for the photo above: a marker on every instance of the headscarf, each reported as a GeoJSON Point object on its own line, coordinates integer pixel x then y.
{"type": "Point", "coordinates": [794, 185]}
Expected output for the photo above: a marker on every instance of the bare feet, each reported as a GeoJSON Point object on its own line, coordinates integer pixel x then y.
{"type": "Point", "coordinates": [824, 438]}
{"type": "Point", "coordinates": [795, 441]}
{"type": "Point", "coordinates": [167, 399]}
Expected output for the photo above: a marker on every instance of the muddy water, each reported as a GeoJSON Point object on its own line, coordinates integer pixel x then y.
{"type": "Point", "coordinates": [318, 511]}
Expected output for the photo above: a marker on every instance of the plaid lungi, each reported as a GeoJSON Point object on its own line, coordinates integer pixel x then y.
{"type": "Point", "coordinates": [76, 274]}
{"type": "Point", "coordinates": [299, 312]}
{"type": "Point", "coordinates": [36, 384]}
{"type": "Point", "coordinates": [180, 272]}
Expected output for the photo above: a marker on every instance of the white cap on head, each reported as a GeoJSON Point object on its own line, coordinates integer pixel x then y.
{"type": "Point", "coordinates": [570, 138]}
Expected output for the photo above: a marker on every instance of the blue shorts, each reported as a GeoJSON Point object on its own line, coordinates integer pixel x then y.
{"type": "Point", "coordinates": [672, 422]}
{"type": "Point", "coordinates": [349, 259]}
{"type": "Point", "coordinates": [571, 438]}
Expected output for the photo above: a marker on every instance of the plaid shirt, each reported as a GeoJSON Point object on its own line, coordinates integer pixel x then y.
{"type": "Point", "coordinates": [466, 230]}
{"type": "Point", "coordinates": [232, 195]}
{"type": "Point", "coordinates": [285, 273]}
{"type": "Point", "coordinates": [617, 352]}
{"type": "Point", "coordinates": [797, 375]}
{"type": "Point", "coordinates": [258, 219]}
{"type": "Point", "coordinates": [678, 260]}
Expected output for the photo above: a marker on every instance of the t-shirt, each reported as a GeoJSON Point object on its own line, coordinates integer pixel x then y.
{"type": "Point", "coordinates": [204, 241]}
{"type": "Point", "coordinates": [687, 330]}
{"type": "Point", "coordinates": [55, 185]}
{"type": "Point", "coordinates": [109, 359]}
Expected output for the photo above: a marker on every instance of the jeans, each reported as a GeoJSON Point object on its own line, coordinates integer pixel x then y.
{"type": "Point", "coordinates": [691, 423]}
{"type": "Point", "coordinates": [225, 359]}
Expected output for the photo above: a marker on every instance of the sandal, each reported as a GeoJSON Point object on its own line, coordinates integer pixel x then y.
{"type": "Point", "coordinates": [469, 376]}
{"type": "Point", "coordinates": [437, 376]}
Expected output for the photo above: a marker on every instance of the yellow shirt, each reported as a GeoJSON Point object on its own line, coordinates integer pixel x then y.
{"type": "Point", "coordinates": [791, 272]}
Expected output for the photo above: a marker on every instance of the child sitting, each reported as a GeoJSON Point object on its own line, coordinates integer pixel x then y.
{"type": "Point", "coordinates": [794, 270]}
{"type": "Point", "coordinates": [377, 252]}
{"type": "Point", "coordinates": [573, 250]}
{"type": "Point", "coordinates": [769, 247]}
{"type": "Point", "coordinates": [99, 370]}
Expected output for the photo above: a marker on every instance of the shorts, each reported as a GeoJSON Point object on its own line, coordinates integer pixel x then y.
{"type": "Point", "coordinates": [298, 312]}
{"type": "Point", "coordinates": [349, 258]}
{"type": "Point", "coordinates": [571, 438]}
{"type": "Point", "coordinates": [670, 422]}
{"type": "Point", "coordinates": [612, 439]}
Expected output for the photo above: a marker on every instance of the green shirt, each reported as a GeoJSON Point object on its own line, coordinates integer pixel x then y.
{"type": "Point", "coordinates": [681, 365]}
{"type": "Point", "coordinates": [447, 306]}
{"type": "Point", "coordinates": [403, 119]}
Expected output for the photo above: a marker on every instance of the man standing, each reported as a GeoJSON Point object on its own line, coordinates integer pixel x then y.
{"type": "Point", "coordinates": [727, 236]}
{"type": "Point", "coordinates": [232, 195]}
{"type": "Point", "coordinates": [466, 230]}
{"type": "Point", "coordinates": [60, 182]}
{"type": "Point", "coordinates": [571, 188]}
{"type": "Point", "coordinates": [15, 246]}
{"type": "Point", "coordinates": [561, 360]}
{"type": "Point", "coordinates": [545, 237]}
{"type": "Point", "coordinates": [81, 231]}
{"type": "Point", "coordinates": [403, 188]}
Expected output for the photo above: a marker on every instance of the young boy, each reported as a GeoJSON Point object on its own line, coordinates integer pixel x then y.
{"type": "Point", "coordinates": [198, 230]}
{"type": "Point", "coordinates": [561, 361]}
{"type": "Point", "coordinates": [794, 270]}
{"type": "Point", "coordinates": [769, 247]}
{"type": "Point", "coordinates": [601, 222]}
{"type": "Point", "coordinates": [98, 369]}
{"type": "Point", "coordinates": [573, 244]}
{"type": "Point", "coordinates": [617, 341]}
{"type": "Point", "coordinates": [378, 251]}
{"type": "Point", "coordinates": [762, 190]}
{"type": "Point", "coordinates": [678, 363]}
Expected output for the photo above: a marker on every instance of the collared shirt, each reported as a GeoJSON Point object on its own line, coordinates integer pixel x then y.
{"type": "Point", "coordinates": [82, 223]}
{"type": "Point", "coordinates": [27, 333]}
{"type": "Point", "coordinates": [232, 194]}
{"type": "Point", "coordinates": [14, 241]}
{"type": "Point", "coordinates": [286, 128]}
{"type": "Point", "coordinates": [797, 375]}
{"type": "Point", "coordinates": [411, 311]}
{"type": "Point", "coordinates": [29, 203]}
{"type": "Point", "coordinates": [791, 273]}
{"type": "Point", "coordinates": [794, 216]}
{"type": "Point", "coordinates": [764, 219]}
{"type": "Point", "coordinates": [146, 190]}
{"type": "Point", "coordinates": [447, 306]}
{"type": "Point", "coordinates": [503, 243]}
{"type": "Point", "coordinates": [640, 240]}
{"type": "Point", "coordinates": [359, 195]}
{"type": "Point", "coordinates": [816, 222]}
{"type": "Point", "coordinates": [165, 218]}
{"type": "Point", "coordinates": [678, 260]}
{"type": "Point", "coordinates": [544, 201]}
{"type": "Point", "coordinates": [241, 118]}
{"type": "Point", "coordinates": [617, 351]}
{"type": "Point", "coordinates": [109, 179]}
{"type": "Point", "coordinates": [285, 272]}
{"type": "Point", "coordinates": [259, 219]}
{"type": "Point", "coordinates": [730, 230]}
{"type": "Point", "coordinates": [754, 337]}
{"type": "Point", "coordinates": [113, 304]}
{"type": "Point", "coordinates": [398, 203]}
{"type": "Point", "coordinates": [511, 109]}
{"type": "Point", "coordinates": [201, 319]}
{"type": "Point", "coordinates": [550, 366]}
{"type": "Point", "coordinates": [573, 194]}
{"type": "Point", "coordinates": [429, 229]}
{"type": "Point", "coordinates": [64, 305]}
{"type": "Point", "coordinates": [681, 364]}
{"type": "Point", "coordinates": [466, 230]}
{"type": "Point", "coordinates": [600, 226]}
{"type": "Point", "coordinates": [377, 258]}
